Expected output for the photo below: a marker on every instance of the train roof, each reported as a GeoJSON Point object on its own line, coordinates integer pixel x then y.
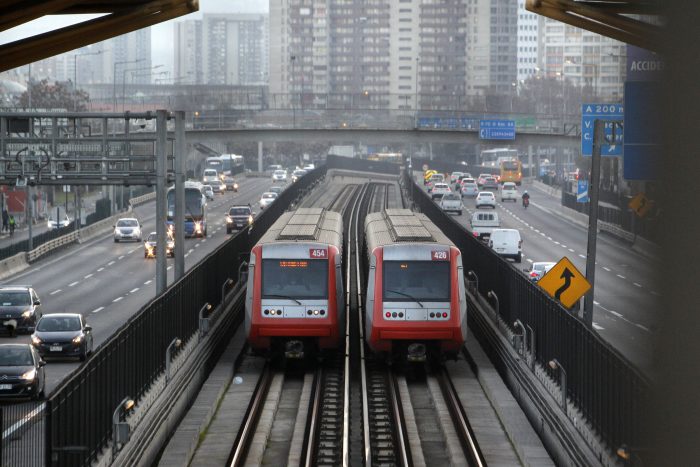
{"type": "Point", "coordinates": [306, 225]}
{"type": "Point", "coordinates": [402, 226]}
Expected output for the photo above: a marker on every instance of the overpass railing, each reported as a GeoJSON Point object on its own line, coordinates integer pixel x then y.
{"type": "Point", "coordinates": [77, 417]}
{"type": "Point", "coordinates": [601, 383]}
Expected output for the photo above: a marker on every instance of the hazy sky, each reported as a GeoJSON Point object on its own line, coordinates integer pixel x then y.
{"type": "Point", "coordinates": [161, 35]}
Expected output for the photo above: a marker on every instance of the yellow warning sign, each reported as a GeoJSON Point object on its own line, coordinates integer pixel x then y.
{"type": "Point", "coordinates": [565, 283]}
{"type": "Point", "coordinates": [640, 204]}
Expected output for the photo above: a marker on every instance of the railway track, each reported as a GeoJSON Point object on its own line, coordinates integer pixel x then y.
{"type": "Point", "coordinates": [355, 409]}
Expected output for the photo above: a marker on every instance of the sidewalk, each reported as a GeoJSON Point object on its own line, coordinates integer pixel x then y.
{"type": "Point", "coordinates": [41, 226]}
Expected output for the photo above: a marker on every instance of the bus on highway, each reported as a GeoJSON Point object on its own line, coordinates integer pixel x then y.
{"type": "Point", "coordinates": [195, 210]}
{"type": "Point", "coordinates": [493, 157]}
{"type": "Point", "coordinates": [225, 164]}
{"type": "Point", "coordinates": [512, 171]}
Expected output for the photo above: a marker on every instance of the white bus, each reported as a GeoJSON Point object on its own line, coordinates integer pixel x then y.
{"type": "Point", "coordinates": [225, 164]}
{"type": "Point", "coordinates": [494, 157]}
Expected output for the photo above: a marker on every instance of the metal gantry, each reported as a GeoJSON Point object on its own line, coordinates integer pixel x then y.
{"type": "Point", "coordinates": [78, 148]}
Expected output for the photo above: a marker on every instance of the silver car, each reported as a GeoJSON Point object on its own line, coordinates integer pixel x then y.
{"type": "Point", "coordinates": [127, 228]}
{"type": "Point", "coordinates": [267, 199]}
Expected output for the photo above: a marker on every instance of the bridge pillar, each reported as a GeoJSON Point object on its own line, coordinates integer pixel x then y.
{"type": "Point", "coordinates": [260, 156]}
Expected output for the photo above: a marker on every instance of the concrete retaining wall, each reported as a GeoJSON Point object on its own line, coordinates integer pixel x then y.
{"type": "Point", "coordinates": [13, 265]}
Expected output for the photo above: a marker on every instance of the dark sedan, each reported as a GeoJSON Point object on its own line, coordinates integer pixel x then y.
{"type": "Point", "coordinates": [63, 335]}
{"type": "Point", "coordinates": [21, 372]}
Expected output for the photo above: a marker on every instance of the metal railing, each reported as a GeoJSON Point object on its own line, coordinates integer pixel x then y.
{"type": "Point", "coordinates": [608, 390]}
{"type": "Point", "coordinates": [37, 240]}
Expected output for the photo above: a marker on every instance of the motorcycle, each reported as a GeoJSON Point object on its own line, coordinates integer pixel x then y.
{"type": "Point", "coordinates": [526, 202]}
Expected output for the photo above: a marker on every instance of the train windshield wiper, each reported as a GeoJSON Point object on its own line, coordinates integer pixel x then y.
{"type": "Point", "coordinates": [282, 296]}
{"type": "Point", "coordinates": [406, 295]}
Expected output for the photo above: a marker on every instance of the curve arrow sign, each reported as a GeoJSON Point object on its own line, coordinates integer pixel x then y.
{"type": "Point", "coordinates": [566, 275]}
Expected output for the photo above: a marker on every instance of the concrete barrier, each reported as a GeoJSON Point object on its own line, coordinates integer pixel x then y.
{"type": "Point", "coordinates": [143, 199]}
{"type": "Point", "coordinates": [13, 265]}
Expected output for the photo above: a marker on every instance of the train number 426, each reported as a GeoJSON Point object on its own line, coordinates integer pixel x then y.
{"type": "Point", "coordinates": [440, 255]}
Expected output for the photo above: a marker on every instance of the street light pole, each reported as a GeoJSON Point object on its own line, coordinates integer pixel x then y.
{"type": "Point", "coordinates": [114, 79]}
{"type": "Point", "coordinates": [415, 103]}
{"type": "Point", "coordinates": [293, 58]}
{"type": "Point", "coordinates": [124, 81]}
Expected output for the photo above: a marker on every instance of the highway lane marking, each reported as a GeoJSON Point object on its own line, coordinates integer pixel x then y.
{"type": "Point", "coordinates": [528, 260]}
{"type": "Point", "coordinates": [101, 269]}
{"type": "Point", "coordinates": [549, 238]}
{"type": "Point", "coordinates": [621, 276]}
{"type": "Point", "coordinates": [619, 315]}
{"type": "Point", "coordinates": [653, 292]}
{"type": "Point", "coordinates": [607, 269]}
{"type": "Point", "coordinates": [186, 255]}
{"type": "Point", "coordinates": [598, 327]}
{"type": "Point", "coordinates": [190, 250]}
{"type": "Point", "coordinates": [117, 299]}
{"type": "Point", "coordinates": [582, 256]}
{"type": "Point", "coordinates": [134, 290]}
{"type": "Point", "coordinates": [197, 245]}
{"type": "Point", "coordinates": [23, 421]}
{"type": "Point", "coordinates": [571, 250]}
{"type": "Point", "coordinates": [130, 251]}
{"type": "Point", "coordinates": [643, 328]}
{"type": "Point", "coordinates": [111, 263]}
{"type": "Point", "coordinates": [556, 243]}
{"type": "Point", "coordinates": [88, 276]}
{"type": "Point", "coordinates": [596, 303]}
{"type": "Point", "coordinates": [122, 256]}
{"type": "Point", "coordinates": [97, 310]}
{"type": "Point", "coordinates": [204, 241]}
{"type": "Point", "coordinates": [536, 230]}
{"type": "Point", "coordinates": [614, 313]}
{"type": "Point", "coordinates": [637, 285]}
{"type": "Point", "coordinates": [563, 246]}
{"type": "Point", "coordinates": [73, 283]}
{"type": "Point", "coordinates": [147, 282]}
{"type": "Point", "coordinates": [55, 292]}
{"type": "Point", "coordinates": [169, 268]}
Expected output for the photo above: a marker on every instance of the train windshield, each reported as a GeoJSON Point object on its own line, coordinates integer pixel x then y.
{"type": "Point", "coordinates": [423, 281]}
{"type": "Point", "coordinates": [295, 278]}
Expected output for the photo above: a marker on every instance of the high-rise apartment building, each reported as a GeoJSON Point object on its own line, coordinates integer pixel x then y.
{"type": "Point", "coordinates": [134, 47]}
{"type": "Point", "coordinates": [382, 53]}
{"type": "Point", "coordinates": [585, 59]}
{"type": "Point", "coordinates": [492, 27]}
{"type": "Point", "coordinates": [228, 49]}
{"type": "Point", "coordinates": [187, 65]}
{"type": "Point", "coordinates": [529, 38]}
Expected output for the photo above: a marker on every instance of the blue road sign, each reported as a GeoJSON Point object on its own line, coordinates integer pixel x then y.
{"type": "Point", "coordinates": [497, 129]}
{"type": "Point", "coordinates": [582, 192]}
{"type": "Point", "coordinates": [592, 112]}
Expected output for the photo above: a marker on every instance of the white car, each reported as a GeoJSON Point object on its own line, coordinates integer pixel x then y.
{"type": "Point", "coordinates": [208, 192]}
{"type": "Point", "coordinates": [127, 228]}
{"type": "Point", "coordinates": [539, 269]}
{"type": "Point", "coordinates": [507, 243]}
{"type": "Point", "coordinates": [483, 223]}
{"type": "Point", "coordinates": [309, 167]}
{"type": "Point", "coordinates": [440, 189]}
{"type": "Point", "coordinates": [52, 224]}
{"type": "Point", "coordinates": [279, 175]}
{"type": "Point", "coordinates": [267, 199]}
{"type": "Point", "coordinates": [485, 198]}
{"type": "Point", "coordinates": [297, 174]}
{"type": "Point", "coordinates": [509, 192]}
{"type": "Point", "coordinates": [451, 202]}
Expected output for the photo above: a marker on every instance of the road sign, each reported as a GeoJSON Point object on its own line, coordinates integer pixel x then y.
{"type": "Point", "coordinates": [565, 283]}
{"type": "Point", "coordinates": [497, 129]}
{"type": "Point", "coordinates": [582, 192]}
{"type": "Point", "coordinates": [66, 188]}
{"type": "Point", "coordinates": [640, 204]}
{"type": "Point", "coordinates": [592, 112]}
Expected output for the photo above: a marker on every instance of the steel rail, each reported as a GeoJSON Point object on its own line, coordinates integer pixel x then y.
{"type": "Point", "coordinates": [245, 436]}
{"type": "Point", "coordinates": [461, 423]}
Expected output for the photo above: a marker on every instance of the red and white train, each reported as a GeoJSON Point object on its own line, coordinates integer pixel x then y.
{"type": "Point", "coordinates": [294, 300]}
{"type": "Point", "coordinates": [416, 304]}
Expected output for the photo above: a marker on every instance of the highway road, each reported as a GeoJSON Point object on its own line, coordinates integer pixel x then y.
{"type": "Point", "coordinates": [625, 290]}
{"type": "Point", "coordinates": [109, 282]}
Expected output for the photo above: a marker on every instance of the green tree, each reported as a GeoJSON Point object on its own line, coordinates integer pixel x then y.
{"type": "Point", "coordinates": [47, 95]}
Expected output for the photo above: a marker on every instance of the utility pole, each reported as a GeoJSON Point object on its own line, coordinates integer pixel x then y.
{"type": "Point", "coordinates": [161, 202]}
{"type": "Point", "coordinates": [179, 221]}
{"type": "Point", "coordinates": [594, 182]}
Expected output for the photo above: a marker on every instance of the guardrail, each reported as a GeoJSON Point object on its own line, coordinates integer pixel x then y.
{"type": "Point", "coordinates": [607, 389]}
